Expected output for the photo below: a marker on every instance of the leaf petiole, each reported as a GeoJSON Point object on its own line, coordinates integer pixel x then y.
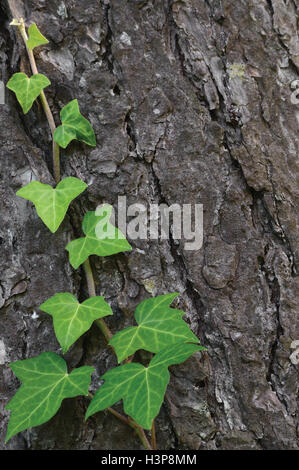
{"type": "Point", "coordinates": [138, 429]}
{"type": "Point", "coordinates": [56, 155]}
{"type": "Point", "coordinates": [154, 441]}
{"type": "Point", "coordinates": [92, 293]}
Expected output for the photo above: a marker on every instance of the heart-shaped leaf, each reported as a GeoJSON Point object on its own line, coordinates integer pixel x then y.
{"type": "Point", "coordinates": [45, 383]}
{"type": "Point", "coordinates": [74, 126]}
{"type": "Point", "coordinates": [81, 248]}
{"type": "Point", "coordinates": [141, 388]}
{"type": "Point", "coordinates": [159, 326]}
{"type": "Point", "coordinates": [52, 204]}
{"type": "Point", "coordinates": [35, 37]}
{"type": "Point", "coordinates": [72, 319]}
{"type": "Point", "coordinates": [27, 89]}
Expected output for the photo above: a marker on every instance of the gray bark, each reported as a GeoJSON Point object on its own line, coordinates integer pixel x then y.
{"type": "Point", "coordinates": [190, 101]}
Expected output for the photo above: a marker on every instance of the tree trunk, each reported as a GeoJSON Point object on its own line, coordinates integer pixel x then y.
{"type": "Point", "coordinates": [192, 102]}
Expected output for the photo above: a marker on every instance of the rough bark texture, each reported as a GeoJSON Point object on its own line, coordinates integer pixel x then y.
{"type": "Point", "coordinates": [191, 103]}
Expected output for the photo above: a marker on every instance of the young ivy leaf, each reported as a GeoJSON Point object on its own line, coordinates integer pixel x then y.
{"type": "Point", "coordinates": [45, 383]}
{"type": "Point", "coordinates": [72, 319]}
{"type": "Point", "coordinates": [52, 204]}
{"type": "Point", "coordinates": [159, 326]}
{"type": "Point", "coordinates": [35, 37]}
{"type": "Point", "coordinates": [74, 126]}
{"type": "Point", "coordinates": [141, 388]}
{"type": "Point", "coordinates": [27, 89]}
{"type": "Point", "coordinates": [107, 243]}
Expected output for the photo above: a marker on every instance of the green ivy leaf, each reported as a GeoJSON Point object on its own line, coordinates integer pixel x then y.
{"type": "Point", "coordinates": [141, 388]}
{"type": "Point", "coordinates": [52, 204]}
{"type": "Point", "coordinates": [72, 319]}
{"type": "Point", "coordinates": [74, 126]}
{"type": "Point", "coordinates": [27, 89]}
{"type": "Point", "coordinates": [81, 248]}
{"type": "Point", "coordinates": [35, 37]}
{"type": "Point", "coordinates": [159, 326]}
{"type": "Point", "coordinates": [45, 383]}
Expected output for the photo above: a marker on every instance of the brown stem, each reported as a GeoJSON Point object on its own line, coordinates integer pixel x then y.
{"type": "Point", "coordinates": [45, 104]}
{"type": "Point", "coordinates": [129, 359]}
{"type": "Point", "coordinates": [141, 434]}
{"type": "Point", "coordinates": [89, 278]}
{"type": "Point", "coordinates": [114, 412]}
{"type": "Point", "coordinates": [138, 429]}
{"type": "Point", "coordinates": [154, 442]}
{"type": "Point", "coordinates": [118, 415]}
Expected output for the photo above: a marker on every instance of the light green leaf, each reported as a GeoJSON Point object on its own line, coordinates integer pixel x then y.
{"type": "Point", "coordinates": [74, 126]}
{"type": "Point", "coordinates": [27, 89]}
{"type": "Point", "coordinates": [141, 388]}
{"type": "Point", "coordinates": [64, 135]}
{"type": "Point", "coordinates": [81, 248]}
{"type": "Point", "coordinates": [52, 204]}
{"type": "Point", "coordinates": [45, 383]}
{"type": "Point", "coordinates": [159, 326]}
{"type": "Point", "coordinates": [72, 319]}
{"type": "Point", "coordinates": [35, 37]}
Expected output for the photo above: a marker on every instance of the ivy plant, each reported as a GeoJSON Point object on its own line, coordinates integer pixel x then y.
{"type": "Point", "coordinates": [35, 37]}
{"type": "Point", "coordinates": [81, 248]}
{"type": "Point", "coordinates": [74, 126]}
{"type": "Point", "coordinates": [72, 319]}
{"type": "Point", "coordinates": [45, 383]}
{"type": "Point", "coordinates": [141, 388]}
{"type": "Point", "coordinates": [160, 328]}
{"type": "Point", "coordinates": [52, 204]}
{"type": "Point", "coordinates": [27, 89]}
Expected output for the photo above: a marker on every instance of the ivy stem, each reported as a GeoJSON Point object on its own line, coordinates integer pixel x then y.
{"type": "Point", "coordinates": [154, 442]}
{"type": "Point", "coordinates": [141, 434]}
{"type": "Point", "coordinates": [92, 293]}
{"type": "Point", "coordinates": [108, 335]}
{"type": "Point", "coordinates": [138, 429]}
{"type": "Point", "coordinates": [56, 165]}
{"type": "Point", "coordinates": [87, 267]}
{"type": "Point", "coordinates": [45, 104]}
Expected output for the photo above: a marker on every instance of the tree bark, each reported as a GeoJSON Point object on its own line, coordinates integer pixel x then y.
{"type": "Point", "coordinates": [192, 103]}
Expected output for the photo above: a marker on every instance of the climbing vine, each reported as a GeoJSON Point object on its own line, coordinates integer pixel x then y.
{"type": "Point", "coordinates": [160, 328]}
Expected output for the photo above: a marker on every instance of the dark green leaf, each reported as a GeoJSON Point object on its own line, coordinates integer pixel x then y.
{"type": "Point", "coordinates": [141, 388]}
